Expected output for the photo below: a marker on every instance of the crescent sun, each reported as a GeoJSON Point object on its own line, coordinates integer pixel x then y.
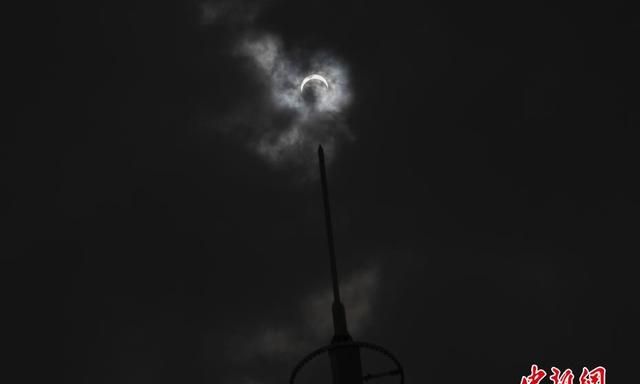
{"type": "Point", "coordinates": [314, 77]}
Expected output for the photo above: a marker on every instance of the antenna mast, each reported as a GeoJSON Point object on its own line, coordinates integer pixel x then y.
{"type": "Point", "coordinates": [344, 353]}
{"type": "Point", "coordinates": [339, 316]}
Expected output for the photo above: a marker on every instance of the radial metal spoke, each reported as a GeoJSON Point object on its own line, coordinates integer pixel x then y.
{"type": "Point", "coordinates": [370, 376]}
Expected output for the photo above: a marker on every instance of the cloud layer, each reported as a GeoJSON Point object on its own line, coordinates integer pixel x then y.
{"type": "Point", "coordinates": [312, 327]}
{"type": "Point", "coordinates": [313, 117]}
{"type": "Point", "coordinates": [275, 119]}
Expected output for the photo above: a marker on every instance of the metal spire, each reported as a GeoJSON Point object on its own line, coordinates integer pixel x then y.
{"type": "Point", "coordinates": [339, 315]}
{"type": "Point", "coordinates": [344, 353]}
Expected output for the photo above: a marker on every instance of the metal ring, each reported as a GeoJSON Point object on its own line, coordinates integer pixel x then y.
{"type": "Point", "coordinates": [327, 348]}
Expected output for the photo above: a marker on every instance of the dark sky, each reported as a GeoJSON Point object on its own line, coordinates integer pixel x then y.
{"type": "Point", "coordinates": [485, 200]}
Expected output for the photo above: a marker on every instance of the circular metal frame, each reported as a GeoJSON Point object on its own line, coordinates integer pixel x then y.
{"type": "Point", "coordinates": [360, 344]}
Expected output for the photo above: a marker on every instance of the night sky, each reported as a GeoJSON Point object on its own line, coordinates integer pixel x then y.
{"type": "Point", "coordinates": [163, 215]}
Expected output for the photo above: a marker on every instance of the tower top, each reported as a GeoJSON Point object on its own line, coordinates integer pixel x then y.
{"type": "Point", "coordinates": [344, 353]}
{"type": "Point", "coordinates": [339, 316]}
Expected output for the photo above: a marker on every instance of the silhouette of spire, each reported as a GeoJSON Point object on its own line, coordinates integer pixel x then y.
{"type": "Point", "coordinates": [344, 353]}
{"type": "Point", "coordinates": [339, 316]}
{"type": "Point", "coordinates": [346, 367]}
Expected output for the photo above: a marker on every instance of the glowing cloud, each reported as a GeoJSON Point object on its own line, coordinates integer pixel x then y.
{"type": "Point", "coordinates": [286, 127]}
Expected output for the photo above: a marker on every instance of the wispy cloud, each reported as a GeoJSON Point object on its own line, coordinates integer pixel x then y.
{"type": "Point", "coordinates": [312, 327]}
{"type": "Point", "coordinates": [311, 122]}
{"type": "Point", "coordinates": [279, 122]}
{"type": "Point", "coordinates": [235, 12]}
{"type": "Point", "coordinates": [357, 294]}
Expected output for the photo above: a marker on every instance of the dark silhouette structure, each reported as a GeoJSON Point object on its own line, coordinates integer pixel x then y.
{"type": "Point", "coordinates": [345, 362]}
{"type": "Point", "coordinates": [344, 353]}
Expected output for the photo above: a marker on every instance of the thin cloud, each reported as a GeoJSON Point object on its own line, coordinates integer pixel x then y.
{"type": "Point", "coordinates": [228, 12]}
{"type": "Point", "coordinates": [313, 120]}
{"type": "Point", "coordinates": [275, 120]}
{"type": "Point", "coordinates": [286, 342]}
{"type": "Point", "coordinates": [357, 293]}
